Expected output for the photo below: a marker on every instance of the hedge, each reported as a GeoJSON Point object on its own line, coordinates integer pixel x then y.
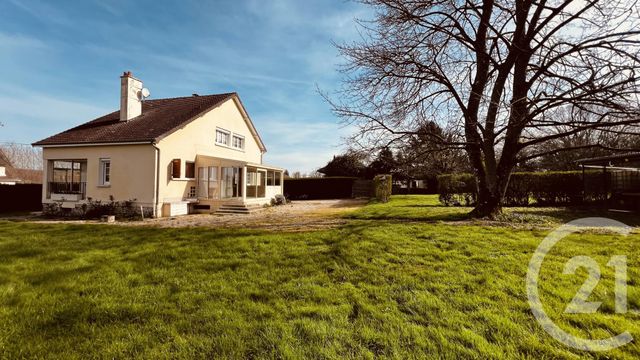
{"type": "Point", "coordinates": [20, 197]}
{"type": "Point", "coordinates": [525, 188]}
{"type": "Point", "coordinates": [318, 188]}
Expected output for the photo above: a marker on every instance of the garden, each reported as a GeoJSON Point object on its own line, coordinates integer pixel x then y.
{"type": "Point", "coordinates": [410, 278]}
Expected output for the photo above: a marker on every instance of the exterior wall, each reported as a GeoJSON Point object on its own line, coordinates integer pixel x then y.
{"type": "Point", "coordinates": [132, 174]}
{"type": "Point", "coordinates": [198, 138]}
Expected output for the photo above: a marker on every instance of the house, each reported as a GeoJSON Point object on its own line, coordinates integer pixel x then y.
{"type": "Point", "coordinates": [200, 153]}
{"type": "Point", "coordinates": [9, 175]}
{"type": "Point", "coordinates": [5, 179]}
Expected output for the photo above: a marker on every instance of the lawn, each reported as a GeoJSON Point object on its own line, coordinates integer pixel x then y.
{"type": "Point", "coordinates": [407, 279]}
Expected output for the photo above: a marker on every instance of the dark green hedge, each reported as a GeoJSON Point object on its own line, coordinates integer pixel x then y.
{"type": "Point", "coordinates": [318, 188]}
{"type": "Point", "coordinates": [525, 188]}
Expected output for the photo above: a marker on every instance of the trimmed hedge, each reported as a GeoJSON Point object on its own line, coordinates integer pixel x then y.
{"type": "Point", "coordinates": [525, 188]}
{"type": "Point", "coordinates": [20, 197]}
{"type": "Point", "coordinates": [318, 188]}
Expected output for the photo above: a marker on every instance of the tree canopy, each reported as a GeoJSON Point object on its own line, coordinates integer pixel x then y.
{"type": "Point", "coordinates": [503, 78]}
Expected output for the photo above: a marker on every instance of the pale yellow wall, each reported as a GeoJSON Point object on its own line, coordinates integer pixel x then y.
{"type": "Point", "coordinates": [132, 170]}
{"type": "Point", "coordinates": [198, 138]}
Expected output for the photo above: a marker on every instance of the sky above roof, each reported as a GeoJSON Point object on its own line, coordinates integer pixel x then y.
{"type": "Point", "coordinates": [60, 64]}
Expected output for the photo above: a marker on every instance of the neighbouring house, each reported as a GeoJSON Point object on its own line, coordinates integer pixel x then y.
{"type": "Point", "coordinates": [9, 175]}
{"type": "Point", "coordinates": [200, 153]}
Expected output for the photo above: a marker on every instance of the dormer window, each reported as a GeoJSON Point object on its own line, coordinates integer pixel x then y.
{"type": "Point", "coordinates": [222, 137]}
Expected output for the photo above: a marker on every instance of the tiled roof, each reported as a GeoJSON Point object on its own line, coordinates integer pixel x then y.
{"type": "Point", "coordinates": [159, 118]}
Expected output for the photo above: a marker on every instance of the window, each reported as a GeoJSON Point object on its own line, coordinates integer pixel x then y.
{"type": "Point", "coordinates": [271, 178]}
{"type": "Point", "coordinates": [105, 172]}
{"type": "Point", "coordinates": [238, 141]}
{"type": "Point", "coordinates": [222, 137]}
{"type": "Point", "coordinates": [213, 182]}
{"type": "Point", "coordinates": [253, 178]}
{"type": "Point", "coordinates": [190, 170]}
{"type": "Point", "coordinates": [66, 171]}
{"type": "Point", "coordinates": [175, 168]}
{"type": "Point", "coordinates": [67, 177]}
{"type": "Point", "coordinates": [278, 178]}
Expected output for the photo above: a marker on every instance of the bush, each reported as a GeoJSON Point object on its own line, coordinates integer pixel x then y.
{"type": "Point", "coordinates": [382, 185]}
{"type": "Point", "coordinates": [457, 189]}
{"type": "Point", "coordinates": [543, 188]}
{"type": "Point", "coordinates": [96, 209]}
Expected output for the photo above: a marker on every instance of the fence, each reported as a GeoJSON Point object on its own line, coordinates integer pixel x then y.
{"type": "Point", "coordinates": [20, 197]}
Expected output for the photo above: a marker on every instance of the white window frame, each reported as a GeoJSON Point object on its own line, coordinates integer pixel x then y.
{"type": "Point", "coordinates": [228, 137]}
{"type": "Point", "coordinates": [241, 137]}
{"type": "Point", "coordinates": [102, 181]}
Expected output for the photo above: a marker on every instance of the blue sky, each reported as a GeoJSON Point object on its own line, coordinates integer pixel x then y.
{"type": "Point", "coordinates": [60, 63]}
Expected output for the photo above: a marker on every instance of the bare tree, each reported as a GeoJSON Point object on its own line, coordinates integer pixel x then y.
{"type": "Point", "coordinates": [495, 72]}
{"type": "Point", "coordinates": [22, 156]}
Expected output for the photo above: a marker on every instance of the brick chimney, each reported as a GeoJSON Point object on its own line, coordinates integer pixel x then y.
{"type": "Point", "coordinates": [130, 96]}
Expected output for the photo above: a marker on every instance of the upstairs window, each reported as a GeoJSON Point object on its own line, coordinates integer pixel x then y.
{"type": "Point", "coordinates": [222, 137]}
{"type": "Point", "coordinates": [105, 172]}
{"type": "Point", "coordinates": [238, 141]}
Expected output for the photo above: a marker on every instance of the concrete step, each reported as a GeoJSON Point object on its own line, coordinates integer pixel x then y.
{"type": "Point", "coordinates": [238, 209]}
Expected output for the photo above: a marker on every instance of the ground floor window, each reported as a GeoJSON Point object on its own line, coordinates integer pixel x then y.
{"type": "Point", "coordinates": [105, 172]}
{"type": "Point", "coordinates": [208, 182]}
{"type": "Point", "coordinates": [231, 182]}
{"type": "Point", "coordinates": [67, 177]}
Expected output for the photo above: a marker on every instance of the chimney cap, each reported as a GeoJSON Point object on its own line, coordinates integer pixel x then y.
{"type": "Point", "coordinates": [127, 74]}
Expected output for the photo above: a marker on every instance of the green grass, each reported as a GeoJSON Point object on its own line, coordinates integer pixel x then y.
{"type": "Point", "coordinates": [391, 288]}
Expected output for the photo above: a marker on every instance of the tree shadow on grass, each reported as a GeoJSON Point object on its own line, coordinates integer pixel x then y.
{"type": "Point", "coordinates": [564, 215]}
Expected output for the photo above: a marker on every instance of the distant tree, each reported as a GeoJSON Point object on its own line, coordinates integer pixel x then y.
{"type": "Point", "coordinates": [384, 163]}
{"type": "Point", "coordinates": [349, 164]}
{"type": "Point", "coordinates": [428, 158]}
{"type": "Point", "coordinates": [286, 173]}
{"type": "Point", "coordinates": [496, 72]}
{"type": "Point", "coordinates": [562, 153]}
{"type": "Point", "coordinates": [297, 175]}
{"type": "Point", "coordinates": [22, 156]}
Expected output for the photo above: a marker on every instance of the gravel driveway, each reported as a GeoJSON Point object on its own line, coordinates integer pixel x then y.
{"type": "Point", "coordinates": [295, 216]}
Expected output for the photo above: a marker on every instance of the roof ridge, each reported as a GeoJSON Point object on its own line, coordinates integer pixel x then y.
{"type": "Point", "coordinates": [192, 96]}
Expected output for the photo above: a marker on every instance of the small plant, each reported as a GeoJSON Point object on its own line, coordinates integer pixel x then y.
{"type": "Point", "coordinates": [95, 209]}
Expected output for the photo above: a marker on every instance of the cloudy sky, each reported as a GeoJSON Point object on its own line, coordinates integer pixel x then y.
{"type": "Point", "coordinates": [60, 64]}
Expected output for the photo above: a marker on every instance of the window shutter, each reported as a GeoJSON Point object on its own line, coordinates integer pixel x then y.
{"type": "Point", "coordinates": [175, 169]}
{"type": "Point", "coordinates": [190, 169]}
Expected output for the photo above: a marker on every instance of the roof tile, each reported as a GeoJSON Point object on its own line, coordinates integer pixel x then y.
{"type": "Point", "coordinates": [159, 118]}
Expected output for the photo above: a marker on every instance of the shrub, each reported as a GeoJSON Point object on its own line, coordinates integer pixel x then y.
{"type": "Point", "coordinates": [457, 189]}
{"type": "Point", "coordinates": [382, 187]}
{"type": "Point", "coordinates": [96, 209]}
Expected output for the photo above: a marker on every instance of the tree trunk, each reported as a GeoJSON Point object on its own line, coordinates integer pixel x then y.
{"type": "Point", "coordinates": [491, 190]}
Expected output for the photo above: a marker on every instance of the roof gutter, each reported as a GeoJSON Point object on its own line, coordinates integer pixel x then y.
{"type": "Point", "coordinates": [92, 144]}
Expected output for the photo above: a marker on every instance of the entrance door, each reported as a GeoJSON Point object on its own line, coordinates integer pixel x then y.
{"type": "Point", "coordinates": [231, 182]}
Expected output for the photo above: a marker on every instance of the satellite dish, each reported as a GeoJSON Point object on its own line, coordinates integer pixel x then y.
{"type": "Point", "coordinates": [145, 93]}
